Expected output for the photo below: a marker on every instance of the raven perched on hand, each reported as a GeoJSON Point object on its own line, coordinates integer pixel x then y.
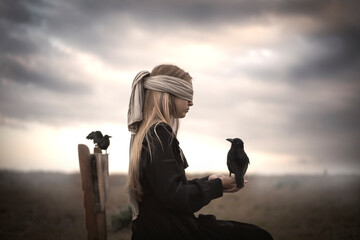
{"type": "Point", "coordinates": [101, 141]}
{"type": "Point", "coordinates": [237, 160]}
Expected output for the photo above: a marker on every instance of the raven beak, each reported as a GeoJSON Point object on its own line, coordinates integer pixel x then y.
{"type": "Point", "coordinates": [229, 139]}
{"type": "Point", "coordinates": [109, 136]}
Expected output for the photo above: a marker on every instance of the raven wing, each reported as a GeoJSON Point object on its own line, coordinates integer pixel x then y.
{"type": "Point", "coordinates": [233, 167]}
{"type": "Point", "coordinates": [242, 156]}
{"type": "Point", "coordinates": [96, 136]}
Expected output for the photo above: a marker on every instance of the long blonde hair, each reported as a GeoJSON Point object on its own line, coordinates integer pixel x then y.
{"type": "Point", "coordinates": [158, 107]}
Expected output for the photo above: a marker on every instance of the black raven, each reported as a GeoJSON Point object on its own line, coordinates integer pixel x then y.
{"type": "Point", "coordinates": [237, 160]}
{"type": "Point", "coordinates": [101, 141]}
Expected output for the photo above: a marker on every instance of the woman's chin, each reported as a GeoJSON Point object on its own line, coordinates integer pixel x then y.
{"type": "Point", "coordinates": [181, 116]}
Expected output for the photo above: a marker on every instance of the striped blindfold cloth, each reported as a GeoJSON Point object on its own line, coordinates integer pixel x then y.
{"type": "Point", "coordinates": [162, 83]}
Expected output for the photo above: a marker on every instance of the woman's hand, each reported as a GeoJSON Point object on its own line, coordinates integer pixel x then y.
{"type": "Point", "coordinates": [228, 183]}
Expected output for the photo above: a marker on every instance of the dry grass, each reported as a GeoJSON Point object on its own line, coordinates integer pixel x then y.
{"type": "Point", "coordinates": [39, 205]}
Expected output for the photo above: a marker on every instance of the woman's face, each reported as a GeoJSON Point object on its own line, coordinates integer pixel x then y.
{"type": "Point", "coordinates": [182, 107]}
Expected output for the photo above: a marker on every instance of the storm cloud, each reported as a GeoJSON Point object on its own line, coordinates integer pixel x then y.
{"type": "Point", "coordinates": [282, 74]}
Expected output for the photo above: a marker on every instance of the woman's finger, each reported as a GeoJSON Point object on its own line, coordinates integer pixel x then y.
{"type": "Point", "coordinates": [231, 190]}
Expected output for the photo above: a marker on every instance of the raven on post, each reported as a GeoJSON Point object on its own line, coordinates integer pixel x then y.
{"type": "Point", "coordinates": [100, 141]}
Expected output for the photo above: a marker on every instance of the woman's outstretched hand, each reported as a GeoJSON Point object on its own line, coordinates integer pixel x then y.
{"type": "Point", "coordinates": [228, 183]}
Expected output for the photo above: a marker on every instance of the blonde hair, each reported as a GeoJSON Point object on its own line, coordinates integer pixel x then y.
{"type": "Point", "coordinates": [158, 107]}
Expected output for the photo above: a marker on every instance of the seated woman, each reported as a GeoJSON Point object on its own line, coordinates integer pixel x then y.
{"type": "Point", "coordinates": [163, 200]}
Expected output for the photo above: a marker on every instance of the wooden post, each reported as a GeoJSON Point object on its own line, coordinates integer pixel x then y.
{"type": "Point", "coordinates": [95, 185]}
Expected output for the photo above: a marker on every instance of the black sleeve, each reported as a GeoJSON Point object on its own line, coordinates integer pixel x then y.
{"type": "Point", "coordinates": [167, 179]}
{"type": "Point", "coordinates": [201, 179]}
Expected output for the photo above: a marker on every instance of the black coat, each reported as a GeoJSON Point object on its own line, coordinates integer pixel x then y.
{"type": "Point", "coordinates": [169, 200]}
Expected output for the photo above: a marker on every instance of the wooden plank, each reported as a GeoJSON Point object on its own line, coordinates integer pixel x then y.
{"type": "Point", "coordinates": [101, 222]}
{"type": "Point", "coordinates": [102, 171]}
{"type": "Point", "coordinates": [97, 150]}
{"type": "Point", "coordinates": [87, 189]}
{"type": "Point", "coordinates": [95, 184]}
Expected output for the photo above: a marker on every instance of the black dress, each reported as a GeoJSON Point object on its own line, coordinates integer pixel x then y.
{"type": "Point", "coordinates": [169, 200]}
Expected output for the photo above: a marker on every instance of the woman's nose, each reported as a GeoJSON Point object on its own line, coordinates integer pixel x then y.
{"type": "Point", "coordinates": [191, 103]}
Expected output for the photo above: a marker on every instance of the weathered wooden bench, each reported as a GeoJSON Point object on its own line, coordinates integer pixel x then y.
{"type": "Point", "coordinates": [94, 173]}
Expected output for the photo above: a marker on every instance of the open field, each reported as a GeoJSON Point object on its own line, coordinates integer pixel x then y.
{"type": "Point", "coordinates": [40, 205]}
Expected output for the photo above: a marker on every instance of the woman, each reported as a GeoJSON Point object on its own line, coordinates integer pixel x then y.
{"type": "Point", "coordinates": [163, 200]}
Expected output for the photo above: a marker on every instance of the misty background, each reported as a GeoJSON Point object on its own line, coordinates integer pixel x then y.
{"type": "Point", "coordinates": [281, 75]}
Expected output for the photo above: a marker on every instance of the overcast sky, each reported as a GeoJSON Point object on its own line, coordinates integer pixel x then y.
{"type": "Point", "coordinates": [282, 75]}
